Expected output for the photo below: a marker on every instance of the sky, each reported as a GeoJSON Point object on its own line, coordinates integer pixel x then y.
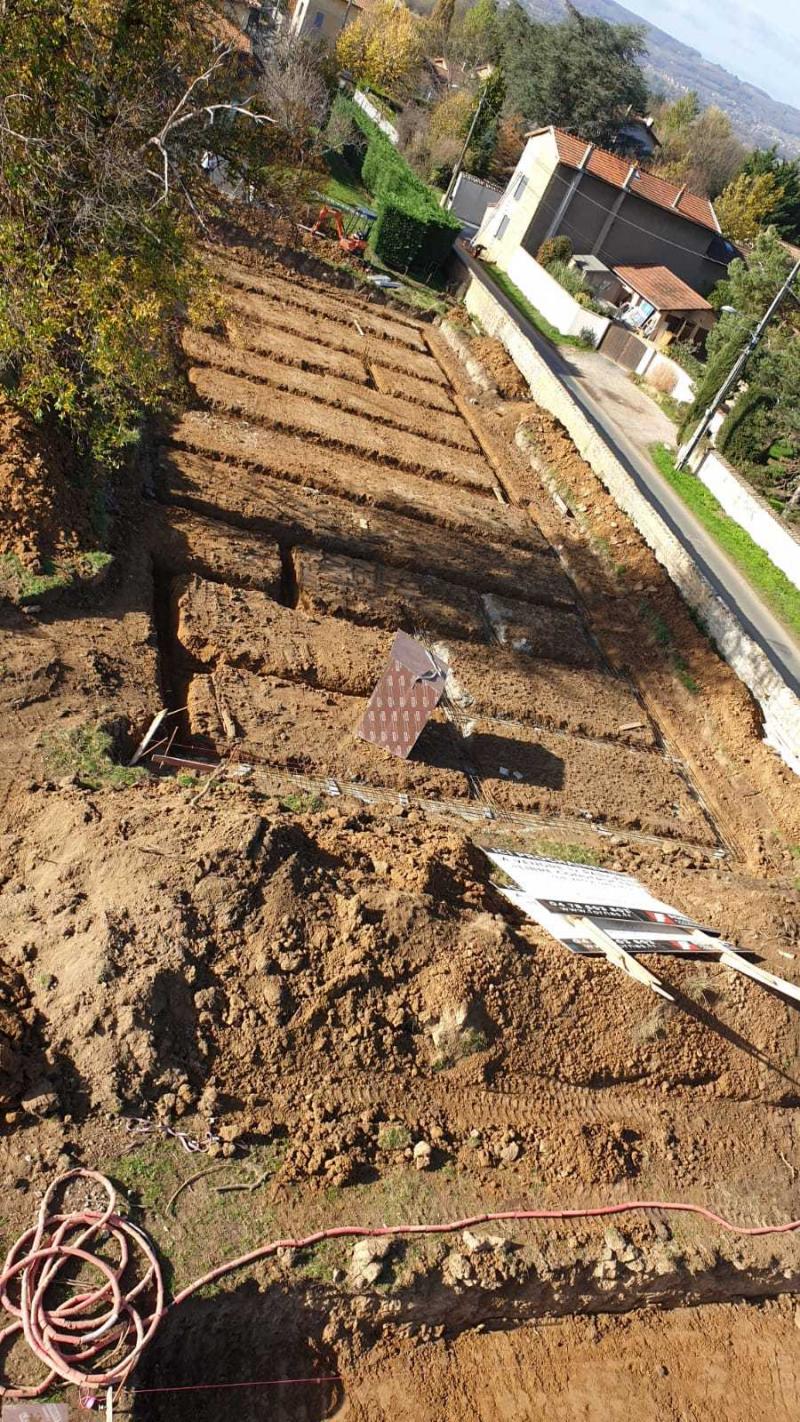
{"type": "Point", "coordinates": [758, 40]}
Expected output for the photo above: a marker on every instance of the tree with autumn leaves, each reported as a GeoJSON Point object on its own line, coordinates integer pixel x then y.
{"type": "Point", "coordinates": [109, 110]}
{"type": "Point", "coordinates": [384, 47]}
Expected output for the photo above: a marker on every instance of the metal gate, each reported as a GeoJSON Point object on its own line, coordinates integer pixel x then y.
{"type": "Point", "coordinates": [620, 345]}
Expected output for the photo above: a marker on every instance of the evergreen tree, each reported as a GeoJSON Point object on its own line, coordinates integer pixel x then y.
{"type": "Point", "coordinates": [582, 74]}
{"type": "Point", "coordinates": [785, 214]}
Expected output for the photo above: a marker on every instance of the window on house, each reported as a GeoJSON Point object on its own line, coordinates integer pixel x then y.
{"type": "Point", "coordinates": [520, 188]}
{"type": "Point", "coordinates": [319, 19]}
{"type": "Point", "coordinates": [721, 251]}
{"type": "Point", "coordinates": [501, 226]}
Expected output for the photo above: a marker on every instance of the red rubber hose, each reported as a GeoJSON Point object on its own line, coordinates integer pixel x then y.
{"type": "Point", "coordinates": [109, 1319]}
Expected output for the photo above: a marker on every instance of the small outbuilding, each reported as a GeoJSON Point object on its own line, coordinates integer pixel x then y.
{"type": "Point", "coordinates": [662, 307]}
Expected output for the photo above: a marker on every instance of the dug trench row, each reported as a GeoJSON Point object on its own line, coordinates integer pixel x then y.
{"type": "Point", "coordinates": [302, 729]}
{"type": "Point", "coordinates": [328, 389]}
{"type": "Point", "coordinates": [257, 633]}
{"type": "Point", "coordinates": [315, 299]}
{"type": "Point", "coordinates": [314, 421]}
{"type": "Point", "coordinates": [341, 336]}
{"type": "Point", "coordinates": [304, 353]}
{"type": "Point", "coordinates": [288, 456]}
{"type": "Point", "coordinates": [287, 513]}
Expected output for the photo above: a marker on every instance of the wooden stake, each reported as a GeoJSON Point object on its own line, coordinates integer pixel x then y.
{"type": "Point", "coordinates": [771, 980]}
{"type": "Point", "coordinates": [730, 959]}
{"type": "Point", "coordinates": [618, 956]}
{"type": "Point", "coordinates": [147, 737]}
{"type": "Point", "coordinates": [110, 1404]}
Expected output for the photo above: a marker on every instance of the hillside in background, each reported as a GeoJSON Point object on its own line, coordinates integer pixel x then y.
{"type": "Point", "coordinates": [676, 67]}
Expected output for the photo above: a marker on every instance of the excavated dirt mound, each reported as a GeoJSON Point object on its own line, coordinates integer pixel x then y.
{"type": "Point", "coordinates": [494, 358]}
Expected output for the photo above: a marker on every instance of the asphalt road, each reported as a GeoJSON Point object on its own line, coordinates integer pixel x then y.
{"type": "Point", "coordinates": [723, 575]}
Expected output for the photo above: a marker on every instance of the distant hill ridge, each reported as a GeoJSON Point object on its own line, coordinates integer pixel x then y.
{"type": "Point", "coordinates": [676, 67]}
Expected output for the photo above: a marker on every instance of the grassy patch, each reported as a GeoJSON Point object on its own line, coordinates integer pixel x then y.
{"type": "Point", "coordinates": [570, 853]}
{"type": "Point", "coordinates": [778, 593]}
{"type": "Point", "coordinates": [652, 1028]}
{"type": "Point", "coordinates": [26, 586]}
{"type": "Point", "coordinates": [672, 408]}
{"type": "Point", "coordinates": [302, 804]}
{"type": "Point", "coordinates": [394, 1138]}
{"type": "Point", "coordinates": [465, 1044]}
{"type": "Point", "coordinates": [535, 317]}
{"type": "Point", "coordinates": [85, 751]}
{"type": "Point", "coordinates": [147, 1176]}
{"type": "Point", "coordinates": [343, 184]}
{"type": "Point", "coordinates": [663, 637]}
{"type": "Point", "coordinates": [430, 295]}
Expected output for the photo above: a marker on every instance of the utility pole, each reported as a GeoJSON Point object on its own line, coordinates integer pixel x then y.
{"type": "Point", "coordinates": [457, 169]}
{"type": "Point", "coordinates": [688, 448]}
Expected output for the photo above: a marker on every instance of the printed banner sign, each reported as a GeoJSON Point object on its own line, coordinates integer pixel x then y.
{"type": "Point", "coordinates": [408, 692]}
{"type": "Point", "coordinates": [553, 892]}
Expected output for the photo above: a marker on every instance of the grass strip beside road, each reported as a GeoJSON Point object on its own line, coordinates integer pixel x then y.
{"type": "Point", "coordinates": [781, 596]}
{"type": "Point", "coordinates": [523, 305]}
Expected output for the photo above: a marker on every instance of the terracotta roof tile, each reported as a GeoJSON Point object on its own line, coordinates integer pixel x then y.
{"type": "Point", "coordinates": [614, 170]}
{"type": "Point", "coordinates": [662, 289]}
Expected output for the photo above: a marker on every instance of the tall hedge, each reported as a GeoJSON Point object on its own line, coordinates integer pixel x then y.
{"type": "Point", "coordinates": [748, 430]}
{"type": "Point", "coordinates": [412, 232]}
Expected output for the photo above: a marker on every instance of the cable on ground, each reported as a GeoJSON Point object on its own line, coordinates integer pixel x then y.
{"type": "Point", "coordinates": [112, 1322]}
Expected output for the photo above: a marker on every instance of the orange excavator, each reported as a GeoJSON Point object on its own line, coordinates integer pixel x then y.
{"type": "Point", "coordinates": [355, 242]}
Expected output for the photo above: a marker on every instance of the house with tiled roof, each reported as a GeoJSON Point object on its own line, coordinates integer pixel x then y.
{"type": "Point", "coordinates": [610, 207]}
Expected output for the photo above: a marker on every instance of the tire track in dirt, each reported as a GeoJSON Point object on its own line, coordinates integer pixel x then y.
{"type": "Point", "coordinates": [512, 1102]}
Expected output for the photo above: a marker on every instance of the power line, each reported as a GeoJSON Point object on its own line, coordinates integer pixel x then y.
{"type": "Point", "coordinates": [732, 378]}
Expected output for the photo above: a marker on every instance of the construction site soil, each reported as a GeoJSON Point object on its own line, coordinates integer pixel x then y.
{"type": "Point", "coordinates": [289, 947]}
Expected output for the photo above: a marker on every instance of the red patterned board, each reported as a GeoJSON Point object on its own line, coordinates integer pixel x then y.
{"type": "Point", "coordinates": [408, 692]}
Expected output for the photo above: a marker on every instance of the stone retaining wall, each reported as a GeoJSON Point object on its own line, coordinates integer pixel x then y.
{"type": "Point", "coordinates": [780, 706]}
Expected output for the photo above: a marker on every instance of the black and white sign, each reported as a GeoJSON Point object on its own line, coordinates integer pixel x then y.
{"type": "Point", "coordinates": [556, 893]}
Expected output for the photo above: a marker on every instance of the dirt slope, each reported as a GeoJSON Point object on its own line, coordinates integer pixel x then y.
{"type": "Point", "coordinates": [307, 957]}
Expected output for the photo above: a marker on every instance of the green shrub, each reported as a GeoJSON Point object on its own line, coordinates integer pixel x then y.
{"type": "Point", "coordinates": [568, 277]}
{"type": "Point", "coordinates": [408, 237]}
{"type": "Point", "coordinates": [747, 432]}
{"type": "Point", "coordinates": [554, 249]}
{"type": "Point", "coordinates": [684, 356]}
{"type": "Point", "coordinates": [412, 231]}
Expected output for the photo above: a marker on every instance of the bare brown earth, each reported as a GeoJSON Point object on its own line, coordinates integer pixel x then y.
{"type": "Point", "coordinates": [40, 513]}
{"type": "Point", "coordinates": [307, 955]}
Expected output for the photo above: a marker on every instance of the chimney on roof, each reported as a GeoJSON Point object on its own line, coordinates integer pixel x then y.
{"type": "Point", "coordinates": [679, 194]}
{"type": "Point", "coordinates": [587, 155]}
{"type": "Point", "coordinates": [633, 172]}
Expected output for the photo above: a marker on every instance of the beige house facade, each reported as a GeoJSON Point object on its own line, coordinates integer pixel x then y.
{"type": "Point", "coordinates": [609, 207]}
{"type": "Point", "coordinates": [322, 20]}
